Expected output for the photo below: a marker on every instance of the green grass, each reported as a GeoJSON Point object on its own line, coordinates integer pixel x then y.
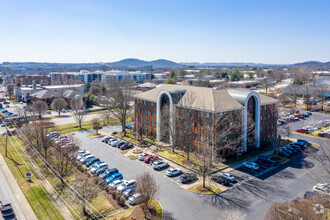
{"type": "Point", "coordinates": [211, 191]}
{"type": "Point", "coordinates": [93, 135]}
{"type": "Point", "coordinates": [158, 207]}
{"type": "Point", "coordinates": [132, 138]}
{"type": "Point", "coordinates": [39, 201]}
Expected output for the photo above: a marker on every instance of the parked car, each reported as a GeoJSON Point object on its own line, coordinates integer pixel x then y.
{"type": "Point", "coordinates": [126, 185]}
{"type": "Point", "coordinates": [98, 167]}
{"type": "Point", "coordinates": [296, 147]}
{"type": "Point", "coordinates": [228, 176]}
{"type": "Point", "coordinates": [94, 165]}
{"type": "Point", "coordinates": [301, 130]}
{"type": "Point", "coordinates": [250, 165]}
{"type": "Point", "coordinates": [121, 144]}
{"type": "Point", "coordinates": [92, 161]}
{"type": "Point", "coordinates": [128, 192]}
{"type": "Point", "coordinates": [294, 150]}
{"type": "Point", "coordinates": [126, 146]}
{"type": "Point", "coordinates": [149, 158]}
{"type": "Point", "coordinates": [113, 177]}
{"type": "Point", "coordinates": [101, 169]}
{"type": "Point", "coordinates": [128, 126]}
{"type": "Point", "coordinates": [105, 139]}
{"type": "Point", "coordinates": [268, 159]}
{"type": "Point", "coordinates": [324, 134]}
{"type": "Point", "coordinates": [304, 141]}
{"type": "Point", "coordinates": [82, 155]}
{"type": "Point", "coordinates": [86, 158]}
{"type": "Point", "coordinates": [135, 199]}
{"type": "Point", "coordinates": [142, 156]}
{"type": "Point", "coordinates": [302, 145]}
{"type": "Point", "coordinates": [113, 139]}
{"type": "Point", "coordinates": [286, 150]}
{"type": "Point", "coordinates": [115, 184]}
{"type": "Point", "coordinates": [322, 188]}
{"type": "Point", "coordinates": [173, 172]}
{"type": "Point", "coordinates": [188, 177]}
{"type": "Point", "coordinates": [108, 173]}
{"type": "Point", "coordinates": [220, 179]}
{"type": "Point", "coordinates": [283, 153]}
{"type": "Point", "coordinates": [160, 165]}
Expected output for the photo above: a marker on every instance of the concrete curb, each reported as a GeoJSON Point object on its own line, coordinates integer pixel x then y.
{"type": "Point", "coordinates": [24, 205]}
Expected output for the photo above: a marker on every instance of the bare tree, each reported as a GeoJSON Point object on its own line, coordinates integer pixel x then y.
{"type": "Point", "coordinates": [203, 164]}
{"type": "Point", "coordinates": [146, 185]}
{"type": "Point", "coordinates": [301, 75]}
{"type": "Point", "coordinates": [321, 91]}
{"type": "Point", "coordinates": [96, 125]}
{"type": "Point", "coordinates": [62, 162]}
{"type": "Point", "coordinates": [285, 131]}
{"type": "Point", "coordinates": [308, 90]}
{"type": "Point", "coordinates": [232, 214]}
{"type": "Point", "coordinates": [78, 110]}
{"type": "Point", "coordinates": [86, 191]}
{"type": "Point", "coordinates": [95, 90]}
{"type": "Point", "coordinates": [120, 97]}
{"type": "Point", "coordinates": [58, 105]}
{"type": "Point", "coordinates": [40, 108]}
{"type": "Point", "coordinates": [294, 92]}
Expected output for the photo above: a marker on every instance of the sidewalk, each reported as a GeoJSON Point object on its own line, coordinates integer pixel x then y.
{"type": "Point", "coordinates": [24, 205]}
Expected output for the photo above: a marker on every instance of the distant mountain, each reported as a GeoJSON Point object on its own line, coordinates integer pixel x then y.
{"type": "Point", "coordinates": [141, 63]}
{"type": "Point", "coordinates": [313, 64]}
{"type": "Point", "coordinates": [228, 64]}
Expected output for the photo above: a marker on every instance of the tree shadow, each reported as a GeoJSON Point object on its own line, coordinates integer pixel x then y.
{"type": "Point", "coordinates": [168, 215]}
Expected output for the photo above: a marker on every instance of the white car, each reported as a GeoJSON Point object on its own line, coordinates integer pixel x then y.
{"type": "Point", "coordinates": [83, 155]}
{"type": "Point", "coordinates": [160, 165]}
{"type": "Point", "coordinates": [135, 199]}
{"type": "Point", "coordinates": [115, 184]}
{"type": "Point", "coordinates": [84, 159]}
{"type": "Point", "coordinates": [142, 156]}
{"type": "Point", "coordinates": [229, 176]}
{"type": "Point", "coordinates": [250, 165]}
{"type": "Point", "coordinates": [323, 188]}
{"type": "Point", "coordinates": [173, 172]}
{"type": "Point", "coordinates": [101, 165]}
{"type": "Point", "coordinates": [126, 185]}
{"type": "Point", "coordinates": [113, 143]}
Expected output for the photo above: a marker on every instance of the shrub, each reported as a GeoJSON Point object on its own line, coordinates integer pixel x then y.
{"type": "Point", "coordinates": [115, 132]}
{"type": "Point", "coordinates": [114, 194]}
{"type": "Point", "coordinates": [122, 201]}
{"type": "Point", "coordinates": [118, 195]}
{"type": "Point", "coordinates": [80, 168]}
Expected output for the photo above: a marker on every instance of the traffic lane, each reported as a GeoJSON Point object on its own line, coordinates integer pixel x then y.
{"type": "Point", "coordinates": [176, 202]}
{"type": "Point", "coordinates": [6, 195]}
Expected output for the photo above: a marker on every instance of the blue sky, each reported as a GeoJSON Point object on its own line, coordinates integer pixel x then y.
{"type": "Point", "coordinates": [265, 31]}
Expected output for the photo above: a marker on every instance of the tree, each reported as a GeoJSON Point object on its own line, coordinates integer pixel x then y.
{"type": "Point", "coordinates": [182, 73]}
{"type": "Point", "coordinates": [96, 125]}
{"type": "Point", "coordinates": [307, 90]}
{"type": "Point", "coordinates": [170, 81]}
{"type": "Point", "coordinates": [40, 108]}
{"type": "Point", "coordinates": [232, 214]}
{"type": "Point", "coordinates": [95, 90]}
{"type": "Point", "coordinates": [146, 185]}
{"type": "Point", "coordinates": [294, 92]}
{"type": "Point", "coordinates": [251, 75]}
{"type": "Point", "coordinates": [321, 90]}
{"type": "Point", "coordinates": [285, 131]}
{"type": "Point", "coordinates": [120, 96]}
{"type": "Point", "coordinates": [85, 192]}
{"type": "Point", "coordinates": [172, 74]}
{"type": "Point", "coordinates": [203, 156]}
{"type": "Point", "coordinates": [58, 105]}
{"type": "Point", "coordinates": [236, 76]}
{"type": "Point", "coordinates": [78, 110]}
{"type": "Point", "coordinates": [62, 162]}
{"type": "Point", "coordinates": [301, 75]}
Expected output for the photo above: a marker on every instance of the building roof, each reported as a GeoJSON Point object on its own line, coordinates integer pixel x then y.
{"type": "Point", "coordinates": [203, 98]}
{"type": "Point", "coordinates": [46, 94]}
{"type": "Point", "coordinates": [147, 85]}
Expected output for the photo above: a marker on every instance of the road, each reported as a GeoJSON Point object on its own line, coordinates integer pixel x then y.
{"type": "Point", "coordinates": [6, 195]}
{"type": "Point", "coordinates": [283, 84]}
{"type": "Point", "coordinates": [254, 197]}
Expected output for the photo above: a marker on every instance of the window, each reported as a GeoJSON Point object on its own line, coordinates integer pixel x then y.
{"type": "Point", "coordinates": [152, 104]}
{"type": "Point", "coordinates": [208, 115]}
{"type": "Point", "coordinates": [220, 114]}
{"type": "Point", "coordinates": [151, 113]}
{"type": "Point", "coordinates": [220, 140]}
{"type": "Point", "coordinates": [148, 122]}
{"type": "Point", "coordinates": [220, 127]}
{"type": "Point", "coordinates": [231, 136]}
{"type": "Point", "coordinates": [152, 123]}
{"type": "Point", "coordinates": [155, 114]}
{"type": "Point", "coordinates": [141, 119]}
{"type": "Point", "coordinates": [272, 126]}
{"type": "Point", "coordinates": [179, 131]}
{"type": "Point", "coordinates": [144, 102]}
{"type": "Point", "coordinates": [236, 135]}
{"type": "Point", "coordinates": [195, 137]}
{"type": "Point", "coordinates": [226, 138]}
{"type": "Point", "coordinates": [155, 123]}
{"type": "Point", "coordinates": [201, 137]}
{"type": "Point", "coordinates": [144, 121]}
{"type": "Point", "coordinates": [265, 107]}
{"type": "Point", "coordinates": [147, 112]}
{"type": "Point", "coordinates": [226, 126]}
{"type": "Point", "coordinates": [201, 126]}
{"type": "Point", "coordinates": [190, 112]}
{"type": "Point", "coordinates": [207, 127]}
{"type": "Point", "coordinates": [260, 129]}
{"type": "Point", "coordinates": [268, 116]}
{"type": "Point", "coordinates": [207, 139]}
{"type": "Point", "coordinates": [137, 110]}
{"type": "Point", "coordinates": [260, 118]}
{"type": "Point", "coordinates": [144, 112]}
{"type": "Point", "coordinates": [196, 113]}
{"type": "Point", "coordinates": [195, 124]}
{"type": "Point", "coordinates": [272, 115]}
{"type": "Point", "coordinates": [202, 114]}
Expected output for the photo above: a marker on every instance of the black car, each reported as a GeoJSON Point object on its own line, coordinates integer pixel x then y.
{"type": "Point", "coordinates": [219, 179]}
{"type": "Point", "coordinates": [292, 149]}
{"type": "Point", "coordinates": [188, 177]}
{"type": "Point", "coordinates": [269, 160]}
{"type": "Point", "coordinates": [283, 153]}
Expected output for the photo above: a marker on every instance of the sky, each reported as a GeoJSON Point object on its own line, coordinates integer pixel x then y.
{"type": "Point", "coordinates": [260, 31]}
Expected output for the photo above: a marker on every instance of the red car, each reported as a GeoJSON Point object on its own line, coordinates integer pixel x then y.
{"type": "Point", "coordinates": [300, 116]}
{"type": "Point", "coordinates": [149, 158]}
{"type": "Point", "coordinates": [305, 131]}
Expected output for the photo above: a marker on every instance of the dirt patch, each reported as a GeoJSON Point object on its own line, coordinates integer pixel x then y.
{"type": "Point", "coordinates": [111, 200]}
{"type": "Point", "coordinates": [204, 190]}
{"type": "Point", "coordinates": [138, 213]}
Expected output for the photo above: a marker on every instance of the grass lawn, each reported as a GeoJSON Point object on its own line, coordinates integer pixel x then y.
{"type": "Point", "coordinates": [40, 203]}
{"type": "Point", "coordinates": [130, 136]}
{"type": "Point", "coordinates": [93, 134]}
{"type": "Point", "coordinates": [209, 189]}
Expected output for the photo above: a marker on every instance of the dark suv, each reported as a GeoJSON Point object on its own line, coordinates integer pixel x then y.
{"type": "Point", "coordinates": [268, 160]}
{"type": "Point", "coordinates": [188, 177]}
{"type": "Point", "coordinates": [220, 179]}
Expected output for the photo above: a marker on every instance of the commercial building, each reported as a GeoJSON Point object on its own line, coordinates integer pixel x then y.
{"type": "Point", "coordinates": [31, 80]}
{"type": "Point", "coordinates": [24, 92]}
{"type": "Point", "coordinates": [226, 120]}
{"type": "Point", "coordinates": [49, 95]}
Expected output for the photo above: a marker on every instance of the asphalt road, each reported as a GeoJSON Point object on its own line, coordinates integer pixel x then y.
{"type": "Point", "coordinates": [253, 197]}
{"type": "Point", "coordinates": [6, 195]}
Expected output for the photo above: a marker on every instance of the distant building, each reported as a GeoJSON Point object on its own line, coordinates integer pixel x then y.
{"type": "Point", "coordinates": [146, 86]}
{"type": "Point", "coordinates": [31, 80]}
{"type": "Point", "coordinates": [49, 95]}
{"type": "Point", "coordinates": [23, 93]}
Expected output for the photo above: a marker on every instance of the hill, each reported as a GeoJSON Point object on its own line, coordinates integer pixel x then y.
{"type": "Point", "coordinates": [131, 62]}
{"type": "Point", "coordinates": [313, 64]}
